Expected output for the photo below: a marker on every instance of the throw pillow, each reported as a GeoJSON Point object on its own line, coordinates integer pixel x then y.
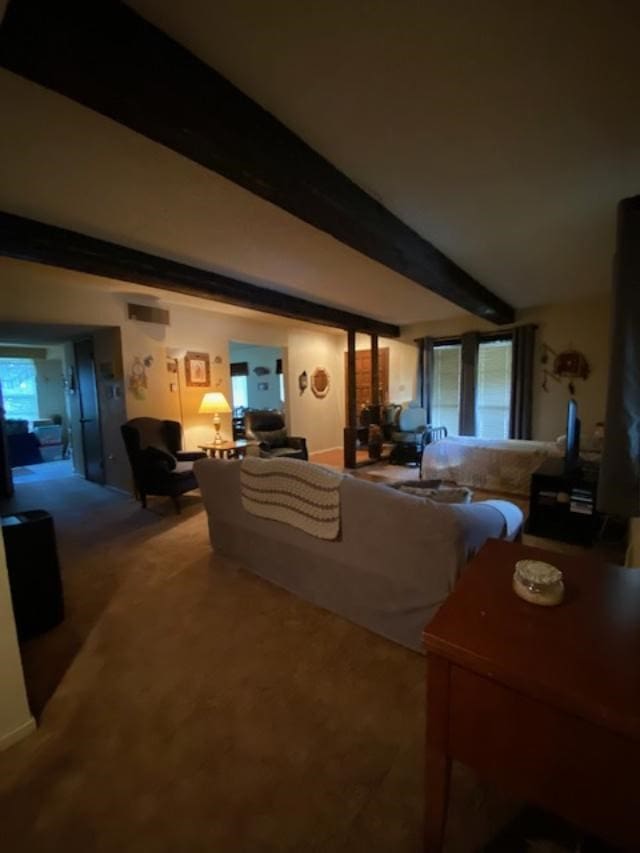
{"type": "Point", "coordinates": [155, 456]}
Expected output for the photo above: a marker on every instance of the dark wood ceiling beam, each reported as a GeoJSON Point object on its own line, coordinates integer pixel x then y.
{"type": "Point", "coordinates": [105, 56]}
{"type": "Point", "coordinates": [29, 240]}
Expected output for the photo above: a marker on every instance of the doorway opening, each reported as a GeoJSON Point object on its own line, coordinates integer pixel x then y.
{"type": "Point", "coordinates": [51, 423]}
{"type": "Point", "coordinates": [257, 381]}
{"type": "Point", "coordinates": [368, 415]}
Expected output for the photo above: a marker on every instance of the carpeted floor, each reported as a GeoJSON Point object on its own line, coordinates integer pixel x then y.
{"type": "Point", "coordinates": [55, 470]}
{"type": "Point", "coordinates": [186, 705]}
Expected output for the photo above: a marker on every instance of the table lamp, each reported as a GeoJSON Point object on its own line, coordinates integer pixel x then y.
{"type": "Point", "coordinates": [215, 403]}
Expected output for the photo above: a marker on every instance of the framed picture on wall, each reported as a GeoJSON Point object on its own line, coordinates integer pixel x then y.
{"type": "Point", "coordinates": [197, 370]}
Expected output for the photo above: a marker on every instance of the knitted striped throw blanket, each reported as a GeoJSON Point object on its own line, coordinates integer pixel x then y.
{"type": "Point", "coordinates": [294, 492]}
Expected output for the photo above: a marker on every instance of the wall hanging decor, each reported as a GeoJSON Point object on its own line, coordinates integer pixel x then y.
{"type": "Point", "coordinates": [197, 369]}
{"type": "Point", "coordinates": [569, 364]}
{"type": "Point", "coordinates": [70, 381]}
{"type": "Point", "coordinates": [138, 378]}
{"type": "Point", "coordinates": [263, 386]}
{"type": "Point", "coordinates": [261, 371]}
{"type": "Point", "coordinates": [303, 381]}
{"type": "Point", "coordinates": [320, 382]}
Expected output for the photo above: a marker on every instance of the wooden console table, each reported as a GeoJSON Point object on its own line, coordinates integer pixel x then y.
{"type": "Point", "coordinates": [543, 701]}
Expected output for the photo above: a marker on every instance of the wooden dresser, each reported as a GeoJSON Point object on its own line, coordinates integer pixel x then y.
{"type": "Point", "coordinates": [543, 701]}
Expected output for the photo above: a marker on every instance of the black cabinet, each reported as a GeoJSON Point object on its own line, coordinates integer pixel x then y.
{"type": "Point", "coordinates": [34, 572]}
{"type": "Point", "coordinates": [562, 505]}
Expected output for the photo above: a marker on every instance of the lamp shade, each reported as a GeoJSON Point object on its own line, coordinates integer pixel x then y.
{"type": "Point", "coordinates": [214, 403]}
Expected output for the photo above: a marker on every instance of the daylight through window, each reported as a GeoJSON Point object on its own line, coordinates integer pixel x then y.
{"type": "Point", "coordinates": [19, 388]}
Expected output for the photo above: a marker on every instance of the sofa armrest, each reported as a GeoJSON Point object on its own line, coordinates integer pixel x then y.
{"type": "Point", "coordinates": [486, 520]}
{"type": "Point", "coordinates": [513, 518]}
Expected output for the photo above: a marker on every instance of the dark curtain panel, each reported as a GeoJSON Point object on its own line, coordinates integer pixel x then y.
{"type": "Point", "coordinates": [425, 374]}
{"type": "Point", "coordinates": [278, 365]}
{"type": "Point", "coordinates": [468, 384]}
{"type": "Point", "coordinates": [619, 482]}
{"type": "Point", "coordinates": [522, 381]}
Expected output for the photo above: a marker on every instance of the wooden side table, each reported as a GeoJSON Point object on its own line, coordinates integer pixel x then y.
{"type": "Point", "coordinates": [544, 701]}
{"type": "Point", "coordinates": [227, 449]}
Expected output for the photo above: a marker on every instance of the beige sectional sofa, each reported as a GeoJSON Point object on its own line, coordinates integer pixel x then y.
{"type": "Point", "coordinates": [395, 561]}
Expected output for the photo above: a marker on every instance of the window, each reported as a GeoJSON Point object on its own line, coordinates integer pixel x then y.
{"type": "Point", "coordinates": [445, 394]}
{"type": "Point", "coordinates": [19, 388]}
{"type": "Point", "coordinates": [493, 389]}
{"type": "Point", "coordinates": [239, 384]}
{"type": "Point", "coordinates": [239, 392]}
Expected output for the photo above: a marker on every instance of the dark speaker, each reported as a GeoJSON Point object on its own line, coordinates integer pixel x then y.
{"type": "Point", "coordinates": [34, 571]}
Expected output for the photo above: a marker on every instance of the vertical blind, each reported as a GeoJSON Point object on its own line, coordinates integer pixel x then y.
{"type": "Point", "coordinates": [493, 389]}
{"type": "Point", "coordinates": [445, 392]}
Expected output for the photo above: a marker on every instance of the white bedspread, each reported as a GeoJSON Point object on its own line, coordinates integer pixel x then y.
{"type": "Point", "coordinates": [294, 492]}
{"type": "Point", "coordinates": [495, 465]}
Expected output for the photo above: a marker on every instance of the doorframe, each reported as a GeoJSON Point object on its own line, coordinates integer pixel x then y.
{"type": "Point", "coordinates": [75, 342]}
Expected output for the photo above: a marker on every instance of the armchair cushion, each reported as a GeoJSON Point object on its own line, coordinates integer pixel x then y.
{"type": "Point", "coordinates": [156, 457]}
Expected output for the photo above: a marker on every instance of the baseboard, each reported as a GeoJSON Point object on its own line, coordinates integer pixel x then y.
{"type": "Point", "coordinates": [18, 734]}
{"type": "Point", "coordinates": [326, 450]}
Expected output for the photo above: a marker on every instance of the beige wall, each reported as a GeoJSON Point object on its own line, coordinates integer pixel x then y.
{"type": "Point", "coordinates": [16, 721]}
{"type": "Point", "coordinates": [583, 325]}
{"type": "Point", "coordinates": [311, 415]}
{"type": "Point", "coordinates": [40, 294]}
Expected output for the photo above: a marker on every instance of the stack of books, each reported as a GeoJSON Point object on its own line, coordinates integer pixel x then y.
{"type": "Point", "coordinates": [581, 501]}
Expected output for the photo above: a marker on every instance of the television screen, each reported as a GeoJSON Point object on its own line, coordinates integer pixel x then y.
{"type": "Point", "coordinates": [572, 452]}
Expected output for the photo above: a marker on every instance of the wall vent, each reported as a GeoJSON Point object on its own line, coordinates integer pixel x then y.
{"type": "Point", "coordinates": [148, 314]}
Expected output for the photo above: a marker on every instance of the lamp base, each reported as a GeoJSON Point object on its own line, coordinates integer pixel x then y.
{"type": "Point", "coordinates": [217, 439]}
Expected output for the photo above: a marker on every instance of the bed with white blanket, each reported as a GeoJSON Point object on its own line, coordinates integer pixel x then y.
{"type": "Point", "coordinates": [494, 465]}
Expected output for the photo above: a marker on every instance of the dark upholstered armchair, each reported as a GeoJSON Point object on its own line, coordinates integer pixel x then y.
{"type": "Point", "coordinates": [269, 430]}
{"type": "Point", "coordinates": [159, 466]}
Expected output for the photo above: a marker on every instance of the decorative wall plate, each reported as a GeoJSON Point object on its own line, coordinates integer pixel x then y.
{"type": "Point", "coordinates": [320, 382]}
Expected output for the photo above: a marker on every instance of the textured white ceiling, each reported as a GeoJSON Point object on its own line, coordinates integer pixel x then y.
{"type": "Point", "coordinates": [505, 133]}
